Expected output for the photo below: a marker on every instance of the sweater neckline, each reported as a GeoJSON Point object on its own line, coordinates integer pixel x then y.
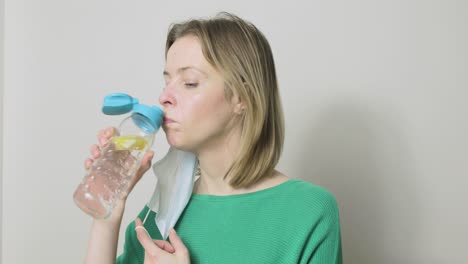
{"type": "Point", "coordinates": [267, 191]}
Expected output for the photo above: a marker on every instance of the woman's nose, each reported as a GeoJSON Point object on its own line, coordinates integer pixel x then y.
{"type": "Point", "coordinates": [167, 97]}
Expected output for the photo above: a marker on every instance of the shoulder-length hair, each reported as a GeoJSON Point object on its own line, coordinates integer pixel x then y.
{"type": "Point", "coordinates": [242, 54]}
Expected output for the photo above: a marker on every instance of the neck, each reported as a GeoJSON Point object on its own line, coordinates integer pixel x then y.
{"type": "Point", "coordinates": [214, 162]}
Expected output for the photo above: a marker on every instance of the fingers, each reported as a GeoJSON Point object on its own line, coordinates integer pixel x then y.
{"type": "Point", "coordinates": [95, 151]}
{"type": "Point", "coordinates": [88, 163]}
{"type": "Point", "coordinates": [177, 243]}
{"type": "Point", "coordinates": [145, 240]}
{"type": "Point", "coordinates": [160, 251]}
{"type": "Point", "coordinates": [105, 134]}
{"type": "Point", "coordinates": [103, 138]}
{"type": "Point", "coordinates": [164, 245]}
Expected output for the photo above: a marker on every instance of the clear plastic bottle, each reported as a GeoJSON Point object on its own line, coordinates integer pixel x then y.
{"type": "Point", "coordinates": [109, 177]}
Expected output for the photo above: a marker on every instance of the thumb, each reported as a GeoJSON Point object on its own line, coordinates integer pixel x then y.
{"type": "Point", "coordinates": [146, 161]}
{"type": "Point", "coordinates": [144, 237]}
{"type": "Point", "coordinates": [144, 166]}
{"type": "Point", "coordinates": [177, 242]}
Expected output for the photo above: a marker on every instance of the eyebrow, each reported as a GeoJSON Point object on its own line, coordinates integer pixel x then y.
{"type": "Point", "coordinates": [180, 70]}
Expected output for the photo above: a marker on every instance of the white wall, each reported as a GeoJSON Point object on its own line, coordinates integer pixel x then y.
{"type": "Point", "coordinates": [374, 95]}
{"type": "Point", "coordinates": [1, 123]}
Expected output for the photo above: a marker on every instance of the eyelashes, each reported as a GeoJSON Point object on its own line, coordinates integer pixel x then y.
{"type": "Point", "coordinates": [191, 85]}
{"type": "Point", "coordinates": [185, 84]}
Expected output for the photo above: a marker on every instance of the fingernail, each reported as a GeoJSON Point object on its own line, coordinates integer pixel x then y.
{"type": "Point", "coordinates": [108, 131]}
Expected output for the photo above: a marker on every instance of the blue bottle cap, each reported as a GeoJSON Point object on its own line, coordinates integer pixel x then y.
{"type": "Point", "coordinates": [147, 118]}
{"type": "Point", "coordinates": [118, 104]}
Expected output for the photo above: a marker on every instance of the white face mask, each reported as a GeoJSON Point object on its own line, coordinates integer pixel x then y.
{"type": "Point", "coordinates": [175, 174]}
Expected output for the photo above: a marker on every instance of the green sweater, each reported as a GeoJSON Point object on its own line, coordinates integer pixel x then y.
{"type": "Point", "coordinates": [293, 222]}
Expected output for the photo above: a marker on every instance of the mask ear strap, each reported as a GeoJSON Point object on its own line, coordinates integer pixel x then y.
{"type": "Point", "coordinates": [144, 220]}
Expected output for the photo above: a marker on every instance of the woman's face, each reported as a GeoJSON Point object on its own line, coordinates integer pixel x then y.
{"type": "Point", "coordinates": [197, 113]}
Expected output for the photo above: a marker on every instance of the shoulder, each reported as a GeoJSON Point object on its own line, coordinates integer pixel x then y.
{"type": "Point", "coordinates": [304, 190]}
{"type": "Point", "coordinates": [311, 191]}
{"type": "Point", "coordinates": [310, 197]}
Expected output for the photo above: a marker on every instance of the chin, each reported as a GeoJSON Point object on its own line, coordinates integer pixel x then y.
{"type": "Point", "coordinates": [176, 142]}
{"type": "Point", "coordinates": [179, 141]}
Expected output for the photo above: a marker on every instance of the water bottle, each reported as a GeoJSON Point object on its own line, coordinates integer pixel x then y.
{"type": "Point", "coordinates": [109, 177]}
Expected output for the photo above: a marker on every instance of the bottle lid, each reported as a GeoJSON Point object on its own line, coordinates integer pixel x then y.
{"type": "Point", "coordinates": [118, 104]}
{"type": "Point", "coordinates": [147, 118]}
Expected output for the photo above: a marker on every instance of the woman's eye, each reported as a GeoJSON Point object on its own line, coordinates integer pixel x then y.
{"type": "Point", "coordinates": [191, 85]}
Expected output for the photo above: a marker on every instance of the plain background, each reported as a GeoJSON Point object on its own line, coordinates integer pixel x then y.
{"type": "Point", "coordinates": [374, 95]}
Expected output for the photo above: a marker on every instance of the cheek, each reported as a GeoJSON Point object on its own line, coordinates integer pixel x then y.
{"type": "Point", "coordinates": [202, 109]}
{"type": "Point", "coordinates": [193, 116]}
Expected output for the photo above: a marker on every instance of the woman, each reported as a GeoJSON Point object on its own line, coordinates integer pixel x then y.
{"type": "Point", "coordinates": [221, 102]}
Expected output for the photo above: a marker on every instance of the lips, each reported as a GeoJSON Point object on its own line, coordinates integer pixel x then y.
{"type": "Point", "coordinates": [167, 121]}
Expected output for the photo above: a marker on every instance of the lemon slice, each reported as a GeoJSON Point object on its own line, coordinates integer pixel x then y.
{"type": "Point", "coordinates": [129, 142]}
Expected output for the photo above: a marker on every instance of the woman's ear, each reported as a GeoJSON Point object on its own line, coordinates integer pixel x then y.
{"type": "Point", "coordinates": [237, 103]}
{"type": "Point", "coordinates": [239, 106]}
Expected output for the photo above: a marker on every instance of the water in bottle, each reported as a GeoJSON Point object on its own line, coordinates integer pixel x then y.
{"type": "Point", "coordinates": [109, 177]}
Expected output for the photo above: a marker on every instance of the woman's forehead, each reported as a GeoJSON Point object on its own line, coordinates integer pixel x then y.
{"type": "Point", "coordinates": [186, 53]}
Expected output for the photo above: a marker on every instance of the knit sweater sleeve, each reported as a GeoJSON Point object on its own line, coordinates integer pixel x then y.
{"type": "Point", "coordinates": [324, 243]}
{"type": "Point", "coordinates": [130, 254]}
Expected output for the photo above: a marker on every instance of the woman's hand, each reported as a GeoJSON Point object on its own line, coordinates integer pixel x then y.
{"type": "Point", "coordinates": [103, 139]}
{"type": "Point", "coordinates": [161, 251]}
{"type": "Point", "coordinates": [102, 245]}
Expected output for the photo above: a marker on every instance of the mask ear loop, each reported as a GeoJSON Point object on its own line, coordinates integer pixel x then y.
{"type": "Point", "coordinates": [144, 220]}
{"type": "Point", "coordinates": [143, 223]}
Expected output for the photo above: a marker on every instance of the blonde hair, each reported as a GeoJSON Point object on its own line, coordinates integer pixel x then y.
{"type": "Point", "coordinates": [241, 53]}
